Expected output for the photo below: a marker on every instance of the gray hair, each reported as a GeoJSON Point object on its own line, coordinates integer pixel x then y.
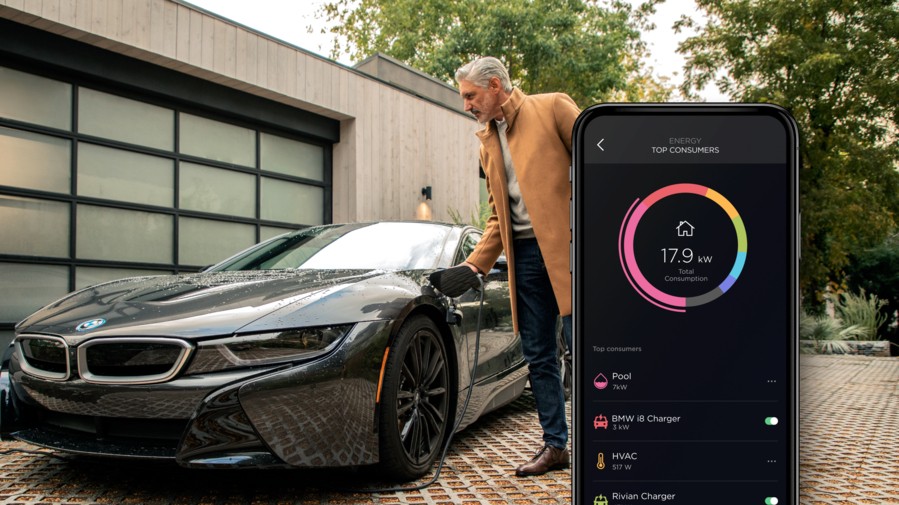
{"type": "Point", "coordinates": [481, 70]}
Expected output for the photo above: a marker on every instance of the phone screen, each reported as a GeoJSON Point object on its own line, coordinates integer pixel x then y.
{"type": "Point", "coordinates": [685, 305]}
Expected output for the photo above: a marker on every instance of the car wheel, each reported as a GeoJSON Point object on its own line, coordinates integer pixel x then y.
{"type": "Point", "coordinates": [416, 399]}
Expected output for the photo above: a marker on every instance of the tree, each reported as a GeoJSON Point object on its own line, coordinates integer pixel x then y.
{"type": "Point", "coordinates": [835, 65]}
{"type": "Point", "coordinates": [577, 46]}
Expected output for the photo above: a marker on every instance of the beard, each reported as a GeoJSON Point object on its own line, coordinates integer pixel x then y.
{"type": "Point", "coordinates": [481, 115]}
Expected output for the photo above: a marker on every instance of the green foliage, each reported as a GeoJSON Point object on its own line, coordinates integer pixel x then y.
{"type": "Point", "coordinates": [829, 334]}
{"type": "Point", "coordinates": [876, 271]}
{"type": "Point", "coordinates": [857, 310]}
{"type": "Point", "coordinates": [477, 218]}
{"type": "Point", "coordinates": [857, 317]}
{"type": "Point", "coordinates": [580, 47]}
{"type": "Point", "coordinates": [835, 65]}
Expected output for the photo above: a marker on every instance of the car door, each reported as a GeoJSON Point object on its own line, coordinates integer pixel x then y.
{"type": "Point", "coordinates": [499, 348]}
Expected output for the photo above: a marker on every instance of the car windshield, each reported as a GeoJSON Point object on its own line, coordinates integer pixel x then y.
{"type": "Point", "coordinates": [382, 246]}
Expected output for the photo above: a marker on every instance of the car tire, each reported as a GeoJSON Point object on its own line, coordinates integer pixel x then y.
{"type": "Point", "coordinates": [416, 401]}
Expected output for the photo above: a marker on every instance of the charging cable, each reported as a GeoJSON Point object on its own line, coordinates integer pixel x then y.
{"type": "Point", "coordinates": [455, 283]}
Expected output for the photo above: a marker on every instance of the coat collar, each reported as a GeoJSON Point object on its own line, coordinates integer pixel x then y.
{"type": "Point", "coordinates": [510, 111]}
{"type": "Point", "coordinates": [512, 106]}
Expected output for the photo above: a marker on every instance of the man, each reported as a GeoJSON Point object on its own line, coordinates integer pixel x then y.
{"type": "Point", "coordinates": [525, 154]}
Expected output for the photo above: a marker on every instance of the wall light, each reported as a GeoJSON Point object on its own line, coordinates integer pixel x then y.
{"type": "Point", "coordinates": [423, 212]}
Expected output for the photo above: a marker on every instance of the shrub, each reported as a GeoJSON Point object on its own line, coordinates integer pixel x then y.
{"type": "Point", "coordinates": [860, 311]}
{"type": "Point", "coordinates": [876, 270]}
{"type": "Point", "coordinates": [477, 218]}
{"type": "Point", "coordinates": [829, 334]}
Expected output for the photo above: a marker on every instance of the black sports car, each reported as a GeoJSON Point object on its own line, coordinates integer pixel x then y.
{"type": "Point", "coordinates": [323, 347]}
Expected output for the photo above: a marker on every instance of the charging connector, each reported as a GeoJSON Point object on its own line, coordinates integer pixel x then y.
{"type": "Point", "coordinates": [452, 283]}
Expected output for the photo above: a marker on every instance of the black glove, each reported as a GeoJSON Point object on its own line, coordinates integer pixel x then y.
{"type": "Point", "coordinates": [455, 281]}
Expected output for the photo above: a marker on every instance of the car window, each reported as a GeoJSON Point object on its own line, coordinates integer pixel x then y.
{"type": "Point", "coordinates": [382, 246]}
{"type": "Point", "coordinates": [466, 246]}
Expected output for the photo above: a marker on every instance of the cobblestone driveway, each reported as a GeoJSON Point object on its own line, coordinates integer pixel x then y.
{"type": "Point", "coordinates": [479, 470]}
{"type": "Point", "coordinates": [849, 430]}
{"type": "Point", "coordinates": [850, 455]}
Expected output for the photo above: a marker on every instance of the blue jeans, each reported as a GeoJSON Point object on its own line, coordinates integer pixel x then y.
{"type": "Point", "coordinates": [537, 313]}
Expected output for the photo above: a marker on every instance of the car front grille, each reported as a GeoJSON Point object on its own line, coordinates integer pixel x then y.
{"type": "Point", "coordinates": [44, 356]}
{"type": "Point", "coordinates": [126, 360]}
{"type": "Point", "coordinates": [131, 360]}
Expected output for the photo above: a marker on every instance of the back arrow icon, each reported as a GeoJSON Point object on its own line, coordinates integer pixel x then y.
{"type": "Point", "coordinates": [599, 145]}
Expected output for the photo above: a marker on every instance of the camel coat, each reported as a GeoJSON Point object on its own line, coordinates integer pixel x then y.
{"type": "Point", "coordinates": [539, 136]}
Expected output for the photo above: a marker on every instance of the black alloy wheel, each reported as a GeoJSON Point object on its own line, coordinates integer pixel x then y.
{"type": "Point", "coordinates": [415, 401]}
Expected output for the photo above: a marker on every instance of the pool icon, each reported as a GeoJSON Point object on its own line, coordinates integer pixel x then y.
{"type": "Point", "coordinates": [600, 381]}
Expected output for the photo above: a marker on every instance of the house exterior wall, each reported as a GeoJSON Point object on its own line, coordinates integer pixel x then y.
{"type": "Point", "coordinates": [392, 143]}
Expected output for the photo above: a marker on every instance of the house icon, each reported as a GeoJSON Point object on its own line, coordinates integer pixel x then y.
{"type": "Point", "coordinates": [685, 229]}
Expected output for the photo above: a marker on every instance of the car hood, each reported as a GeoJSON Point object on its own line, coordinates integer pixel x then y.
{"type": "Point", "coordinates": [195, 305]}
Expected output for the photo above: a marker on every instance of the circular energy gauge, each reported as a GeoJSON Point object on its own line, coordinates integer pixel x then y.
{"type": "Point", "coordinates": [683, 236]}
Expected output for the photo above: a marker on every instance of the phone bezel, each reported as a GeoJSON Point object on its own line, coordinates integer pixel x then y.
{"type": "Point", "coordinates": [692, 109]}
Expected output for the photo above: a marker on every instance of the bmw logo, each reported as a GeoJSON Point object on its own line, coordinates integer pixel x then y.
{"type": "Point", "coordinates": [90, 325]}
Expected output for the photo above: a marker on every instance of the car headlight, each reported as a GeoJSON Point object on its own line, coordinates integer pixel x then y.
{"type": "Point", "coordinates": [266, 348]}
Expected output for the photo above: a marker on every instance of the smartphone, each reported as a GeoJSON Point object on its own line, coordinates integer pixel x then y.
{"type": "Point", "coordinates": [685, 259]}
